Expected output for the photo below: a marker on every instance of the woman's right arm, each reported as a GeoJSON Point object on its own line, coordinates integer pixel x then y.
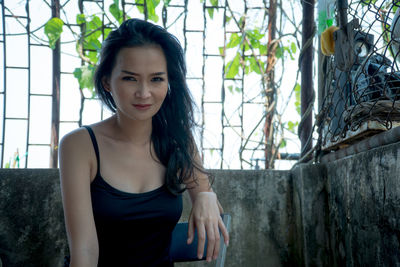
{"type": "Point", "coordinates": [75, 172]}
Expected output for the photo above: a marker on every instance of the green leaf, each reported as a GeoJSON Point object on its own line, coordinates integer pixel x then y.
{"type": "Point", "coordinates": [154, 17]}
{"type": "Point", "coordinates": [80, 19]}
{"type": "Point", "coordinates": [395, 5]}
{"type": "Point", "coordinates": [283, 144]}
{"type": "Point", "coordinates": [221, 50]}
{"type": "Point", "coordinates": [279, 52]}
{"type": "Point", "coordinates": [85, 74]}
{"type": "Point", "coordinates": [232, 68]}
{"type": "Point", "coordinates": [394, 9]}
{"type": "Point", "coordinates": [263, 49]}
{"type": "Point", "coordinates": [227, 19]}
{"type": "Point", "coordinates": [292, 126]}
{"type": "Point", "coordinates": [93, 56]}
{"type": "Point", "coordinates": [94, 24]}
{"type": "Point", "coordinates": [246, 69]}
{"type": "Point", "coordinates": [93, 45]}
{"type": "Point", "coordinates": [210, 12]}
{"type": "Point", "coordinates": [53, 30]}
{"type": "Point", "coordinates": [237, 89]}
{"type": "Point", "coordinates": [367, 2]}
{"type": "Point", "coordinates": [241, 20]}
{"type": "Point", "coordinates": [234, 40]}
{"type": "Point", "coordinates": [287, 49]}
{"type": "Point", "coordinates": [116, 12]}
{"type": "Point", "coordinates": [93, 32]}
{"type": "Point", "coordinates": [293, 47]}
{"type": "Point", "coordinates": [151, 9]}
{"type": "Point", "coordinates": [297, 103]}
{"type": "Point", "coordinates": [139, 5]}
{"type": "Point", "coordinates": [254, 34]}
{"type": "Point", "coordinates": [254, 66]}
{"type": "Point", "coordinates": [107, 32]}
{"type": "Point", "coordinates": [214, 2]}
{"type": "Point", "coordinates": [230, 88]}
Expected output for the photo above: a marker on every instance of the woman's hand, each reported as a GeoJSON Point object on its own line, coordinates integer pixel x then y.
{"type": "Point", "coordinates": [205, 217]}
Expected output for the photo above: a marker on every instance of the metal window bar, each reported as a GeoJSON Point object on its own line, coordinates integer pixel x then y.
{"type": "Point", "coordinates": [4, 93]}
{"type": "Point", "coordinates": [238, 126]}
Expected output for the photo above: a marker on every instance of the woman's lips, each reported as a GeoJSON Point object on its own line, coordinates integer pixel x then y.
{"type": "Point", "coordinates": [142, 106]}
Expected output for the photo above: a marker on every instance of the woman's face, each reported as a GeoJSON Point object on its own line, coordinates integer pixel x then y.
{"type": "Point", "coordinates": [138, 82]}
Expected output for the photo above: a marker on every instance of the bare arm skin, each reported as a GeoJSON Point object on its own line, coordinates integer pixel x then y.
{"type": "Point", "coordinates": [76, 156]}
{"type": "Point", "coordinates": [205, 216]}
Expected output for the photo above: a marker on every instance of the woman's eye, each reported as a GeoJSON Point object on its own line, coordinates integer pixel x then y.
{"type": "Point", "coordinates": [129, 78]}
{"type": "Point", "coordinates": [157, 79]}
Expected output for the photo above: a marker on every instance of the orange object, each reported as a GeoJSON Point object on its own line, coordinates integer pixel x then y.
{"type": "Point", "coordinates": [327, 41]}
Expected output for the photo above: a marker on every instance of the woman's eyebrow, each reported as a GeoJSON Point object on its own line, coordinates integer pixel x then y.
{"type": "Point", "coordinates": [136, 74]}
{"type": "Point", "coordinates": [159, 73]}
{"type": "Point", "coordinates": [130, 72]}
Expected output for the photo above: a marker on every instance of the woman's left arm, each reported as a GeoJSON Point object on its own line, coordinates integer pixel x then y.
{"type": "Point", "coordinates": [205, 217]}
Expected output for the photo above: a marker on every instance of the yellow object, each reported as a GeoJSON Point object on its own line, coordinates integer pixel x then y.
{"type": "Point", "coordinates": [327, 42]}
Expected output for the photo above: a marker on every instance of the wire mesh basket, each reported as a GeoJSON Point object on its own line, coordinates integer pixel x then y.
{"type": "Point", "coordinates": [362, 84]}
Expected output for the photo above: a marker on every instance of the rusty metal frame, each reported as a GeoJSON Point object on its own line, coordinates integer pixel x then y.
{"type": "Point", "coordinates": [53, 144]}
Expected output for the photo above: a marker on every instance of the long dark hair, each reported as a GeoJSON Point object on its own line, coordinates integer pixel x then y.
{"type": "Point", "coordinates": [172, 125]}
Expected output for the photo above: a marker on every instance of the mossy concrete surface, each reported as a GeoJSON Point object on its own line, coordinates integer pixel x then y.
{"type": "Point", "coordinates": [32, 231]}
{"type": "Point", "coordinates": [364, 208]}
{"type": "Point", "coordinates": [343, 213]}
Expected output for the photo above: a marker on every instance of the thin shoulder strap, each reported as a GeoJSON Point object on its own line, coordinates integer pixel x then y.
{"type": "Point", "coordinates": [95, 146]}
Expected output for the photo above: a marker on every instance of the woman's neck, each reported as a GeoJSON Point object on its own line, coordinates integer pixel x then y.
{"type": "Point", "coordinates": [133, 131]}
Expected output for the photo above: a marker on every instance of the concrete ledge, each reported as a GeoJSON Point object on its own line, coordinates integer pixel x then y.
{"type": "Point", "coordinates": [32, 231]}
{"type": "Point", "coordinates": [364, 208]}
{"type": "Point", "coordinates": [342, 213]}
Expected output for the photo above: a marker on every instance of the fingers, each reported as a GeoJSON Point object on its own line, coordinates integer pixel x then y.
{"type": "Point", "coordinates": [190, 230]}
{"type": "Point", "coordinates": [213, 238]}
{"type": "Point", "coordinates": [217, 240]}
{"type": "Point", "coordinates": [224, 231]}
{"type": "Point", "coordinates": [205, 217]}
{"type": "Point", "coordinates": [210, 241]}
{"type": "Point", "coordinates": [201, 235]}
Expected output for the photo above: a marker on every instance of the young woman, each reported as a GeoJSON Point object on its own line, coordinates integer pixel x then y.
{"type": "Point", "coordinates": [122, 178]}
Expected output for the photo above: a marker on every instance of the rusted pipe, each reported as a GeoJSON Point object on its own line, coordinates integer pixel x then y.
{"type": "Point", "coordinates": [55, 110]}
{"type": "Point", "coordinates": [270, 88]}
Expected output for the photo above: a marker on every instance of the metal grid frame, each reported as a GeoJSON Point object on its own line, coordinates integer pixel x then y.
{"type": "Point", "coordinates": [245, 162]}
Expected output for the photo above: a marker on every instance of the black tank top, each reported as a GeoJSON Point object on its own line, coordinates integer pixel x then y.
{"type": "Point", "coordinates": [132, 229]}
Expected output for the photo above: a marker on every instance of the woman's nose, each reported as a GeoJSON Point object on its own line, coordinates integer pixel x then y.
{"type": "Point", "coordinates": [143, 91]}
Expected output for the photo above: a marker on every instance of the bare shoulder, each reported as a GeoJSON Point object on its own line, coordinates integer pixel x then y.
{"type": "Point", "coordinates": [76, 171]}
{"type": "Point", "coordinates": [76, 152]}
{"type": "Point", "coordinates": [75, 138]}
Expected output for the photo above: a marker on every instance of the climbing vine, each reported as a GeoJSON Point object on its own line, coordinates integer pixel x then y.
{"type": "Point", "coordinates": [248, 50]}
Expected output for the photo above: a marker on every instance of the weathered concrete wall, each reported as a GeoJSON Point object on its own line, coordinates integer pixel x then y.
{"type": "Point", "coordinates": [349, 209]}
{"type": "Point", "coordinates": [343, 213]}
{"type": "Point", "coordinates": [260, 205]}
{"type": "Point", "coordinates": [32, 231]}
{"type": "Point", "coordinates": [364, 208]}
